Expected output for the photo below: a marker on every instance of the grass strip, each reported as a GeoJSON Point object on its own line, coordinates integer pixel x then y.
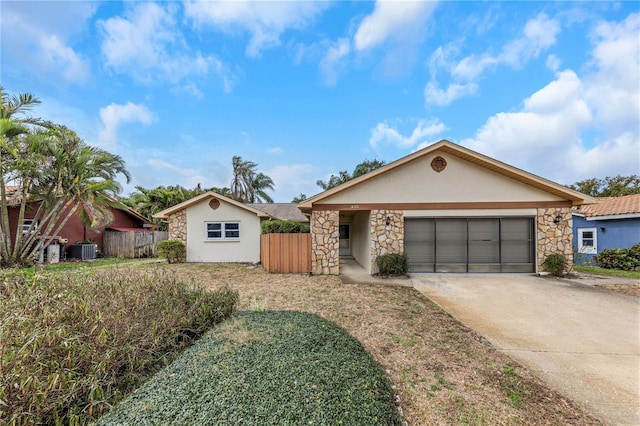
{"type": "Point", "coordinates": [607, 272]}
{"type": "Point", "coordinates": [262, 368]}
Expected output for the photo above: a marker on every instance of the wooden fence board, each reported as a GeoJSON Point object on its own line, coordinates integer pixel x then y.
{"type": "Point", "coordinates": [132, 244]}
{"type": "Point", "coordinates": [286, 253]}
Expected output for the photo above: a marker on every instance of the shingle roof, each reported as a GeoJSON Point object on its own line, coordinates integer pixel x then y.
{"type": "Point", "coordinates": [611, 206]}
{"type": "Point", "coordinates": [282, 211]}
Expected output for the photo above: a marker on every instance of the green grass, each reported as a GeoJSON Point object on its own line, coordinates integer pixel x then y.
{"type": "Point", "coordinates": [74, 343]}
{"type": "Point", "coordinates": [262, 368]}
{"type": "Point", "coordinates": [607, 272]}
{"type": "Point", "coordinates": [96, 263]}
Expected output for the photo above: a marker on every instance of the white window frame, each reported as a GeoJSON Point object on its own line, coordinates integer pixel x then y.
{"type": "Point", "coordinates": [587, 249]}
{"type": "Point", "coordinates": [223, 230]}
{"type": "Point", "coordinates": [26, 225]}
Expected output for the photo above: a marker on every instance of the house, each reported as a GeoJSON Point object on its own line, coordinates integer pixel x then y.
{"type": "Point", "coordinates": [216, 228]}
{"type": "Point", "coordinates": [613, 222]}
{"type": "Point", "coordinates": [450, 209]}
{"type": "Point", "coordinates": [74, 231]}
{"type": "Point", "coordinates": [281, 211]}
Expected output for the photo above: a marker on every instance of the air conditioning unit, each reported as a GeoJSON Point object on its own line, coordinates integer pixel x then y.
{"type": "Point", "coordinates": [83, 251]}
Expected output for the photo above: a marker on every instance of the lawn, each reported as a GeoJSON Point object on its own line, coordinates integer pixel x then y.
{"type": "Point", "coordinates": [442, 372]}
{"type": "Point", "coordinates": [629, 280]}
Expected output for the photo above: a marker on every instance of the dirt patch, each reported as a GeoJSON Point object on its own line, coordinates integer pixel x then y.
{"type": "Point", "coordinates": [628, 289]}
{"type": "Point", "coordinates": [443, 372]}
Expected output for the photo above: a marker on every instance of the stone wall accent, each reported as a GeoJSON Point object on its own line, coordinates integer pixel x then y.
{"type": "Point", "coordinates": [325, 243]}
{"type": "Point", "coordinates": [178, 226]}
{"type": "Point", "coordinates": [552, 238]}
{"type": "Point", "coordinates": [386, 238]}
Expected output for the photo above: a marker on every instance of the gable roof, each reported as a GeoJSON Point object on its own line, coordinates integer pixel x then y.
{"type": "Point", "coordinates": [577, 198]}
{"type": "Point", "coordinates": [164, 214]}
{"type": "Point", "coordinates": [281, 211]}
{"type": "Point", "coordinates": [628, 205]}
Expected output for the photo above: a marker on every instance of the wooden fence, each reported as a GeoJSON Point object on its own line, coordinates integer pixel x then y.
{"type": "Point", "coordinates": [286, 253]}
{"type": "Point", "coordinates": [132, 244]}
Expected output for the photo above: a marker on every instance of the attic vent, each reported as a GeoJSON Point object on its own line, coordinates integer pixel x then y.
{"type": "Point", "coordinates": [438, 164]}
{"type": "Point", "coordinates": [214, 203]}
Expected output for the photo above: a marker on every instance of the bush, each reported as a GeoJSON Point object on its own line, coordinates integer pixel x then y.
{"type": "Point", "coordinates": [622, 259]}
{"type": "Point", "coordinates": [74, 344]}
{"type": "Point", "coordinates": [284, 227]}
{"type": "Point", "coordinates": [392, 264]}
{"type": "Point", "coordinates": [266, 368]}
{"type": "Point", "coordinates": [555, 264]}
{"type": "Point", "coordinates": [173, 250]}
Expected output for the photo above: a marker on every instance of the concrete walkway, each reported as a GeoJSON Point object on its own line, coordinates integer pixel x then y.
{"type": "Point", "coordinates": [581, 340]}
{"type": "Point", "coordinates": [351, 272]}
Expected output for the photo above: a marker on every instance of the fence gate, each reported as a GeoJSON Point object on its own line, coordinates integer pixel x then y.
{"type": "Point", "coordinates": [286, 253]}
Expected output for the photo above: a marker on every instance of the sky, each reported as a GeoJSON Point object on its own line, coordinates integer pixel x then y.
{"type": "Point", "coordinates": [306, 89]}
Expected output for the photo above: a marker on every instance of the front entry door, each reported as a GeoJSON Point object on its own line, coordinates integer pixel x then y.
{"type": "Point", "coordinates": [345, 241]}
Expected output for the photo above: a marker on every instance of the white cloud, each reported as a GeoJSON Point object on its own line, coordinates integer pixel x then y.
{"type": "Point", "coordinates": [265, 21]}
{"type": "Point", "coordinates": [38, 37]}
{"type": "Point", "coordinates": [276, 150]}
{"type": "Point", "coordinates": [385, 134]}
{"type": "Point", "coordinates": [434, 95]}
{"type": "Point", "coordinates": [293, 179]}
{"type": "Point", "coordinates": [393, 19]}
{"type": "Point", "coordinates": [146, 43]}
{"type": "Point", "coordinates": [113, 115]}
{"type": "Point", "coordinates": [333, 60]}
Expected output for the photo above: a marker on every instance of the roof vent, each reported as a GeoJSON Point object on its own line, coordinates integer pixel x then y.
{"type": "Point", "coordinates": [438, 164]}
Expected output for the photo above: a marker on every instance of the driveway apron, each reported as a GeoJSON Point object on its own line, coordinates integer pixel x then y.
{"type": "Point", "coordinates": [581, 340]}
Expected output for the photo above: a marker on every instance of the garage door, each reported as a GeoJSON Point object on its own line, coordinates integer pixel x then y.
{"type": "Point", "coordinates": [470, 244]}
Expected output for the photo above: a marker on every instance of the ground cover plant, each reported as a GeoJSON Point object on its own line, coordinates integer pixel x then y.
{"type": "Point", "coordinates": [441, 371]}
{"type": "Point", "coordinates": [73, 343]}
{"type": "Point", "coordinates": [263, 368]}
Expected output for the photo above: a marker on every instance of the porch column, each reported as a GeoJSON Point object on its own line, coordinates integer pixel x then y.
{"type": "Point", "coordinates": [386, 238]}
{"type": "Point", "coordinates": [325, 243]}
{"type": "Point", "coordinates": [178, 226]}
{"type": "Point", "coordinates": [552, 237]}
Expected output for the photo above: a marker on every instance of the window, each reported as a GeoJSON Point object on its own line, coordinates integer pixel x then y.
{"type": "Point", "coordinates": [26, 226]}
{"type": "Point", "coordinates": [587, 241]}
{"type": "Point", "coordinates": [222, 231]}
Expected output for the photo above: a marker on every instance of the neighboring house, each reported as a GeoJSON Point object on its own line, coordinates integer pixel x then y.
{"type": "Point", "coordinates": [281, 211]}
{"type": "Point", "coordinates": [613, 222]}
{"type": "Point", "coordinates": [74, 231]}
{"type": "Point", "coordinates": [216, 228]}
{"type": "Point", "coordinates": [449, 209]}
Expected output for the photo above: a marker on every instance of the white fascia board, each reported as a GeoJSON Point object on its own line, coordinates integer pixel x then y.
{"type": "Point", "coordinates": [615, 216]}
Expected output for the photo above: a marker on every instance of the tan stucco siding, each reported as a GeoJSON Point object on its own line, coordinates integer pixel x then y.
{"type": "Point", "coordinates": [460, 181]}
{"type": "Point", "coordinates": [361, 240]}
{"type": "Point", "coordinates": [246, 249]}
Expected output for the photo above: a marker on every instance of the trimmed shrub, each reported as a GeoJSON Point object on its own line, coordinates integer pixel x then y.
{"type": "Point", "coordinates": [74, 344]}
{"type": "Point", "coordinates": [555, 264]}
{"type": "Point", "coordinates": [392, 264]}
{"type": "Point", "coordinates": [622, 259]}
{"type": "Point", "coordinates": [284, 227]}
{"type": "Point", "coordinates": [173, 250]}
{"type": "Point", "coordinates": [266, 368]}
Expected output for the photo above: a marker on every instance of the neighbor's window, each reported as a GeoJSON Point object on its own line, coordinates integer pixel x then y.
{"type": "Point", "coordinates": [222, 231]}
{"type": "Point", "coordinates": [26, 225]}
{"type": "Point", "coordinates": [587, 240]}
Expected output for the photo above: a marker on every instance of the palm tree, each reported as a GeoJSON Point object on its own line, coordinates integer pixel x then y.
{"type": "Point", "coordinates": [259, 184]}
{"type": "Point", "coordinates": [248, 186]}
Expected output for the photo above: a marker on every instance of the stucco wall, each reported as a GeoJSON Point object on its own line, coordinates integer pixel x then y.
{"type": "Point", "coordinates": [246, 249]}
{"type": "Point", "coordinates": [360, 240]}
{"type": "Point", "coordinates": [460, 181]}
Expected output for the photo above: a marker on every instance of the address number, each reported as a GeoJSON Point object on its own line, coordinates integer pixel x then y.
{"type": "Point", "coordinates": [355, 206]}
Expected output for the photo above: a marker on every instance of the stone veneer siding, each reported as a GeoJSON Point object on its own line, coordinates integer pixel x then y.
{"type": "Point", "coordinates": [386, 238]}
{"type": "Point", "coordinates": [178, 226]}
{"type": "Point", "coordinates": [554, 238]}
{"type": "Point", "coordinates": [325, 243]}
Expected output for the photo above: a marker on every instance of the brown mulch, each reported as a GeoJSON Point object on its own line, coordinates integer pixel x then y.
{"type": "Point", "coordinates": [628, 289]}
{"type": "Point", "coordinates": [442, 372]}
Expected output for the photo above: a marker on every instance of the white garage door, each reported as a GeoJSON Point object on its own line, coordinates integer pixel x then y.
{"type": "Point", "coordinates": [470, 244]}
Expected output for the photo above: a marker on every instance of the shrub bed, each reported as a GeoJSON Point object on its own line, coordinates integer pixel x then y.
{"type": "Point", "coordinates": [622, 259]}
{"type": "Point", "coordinates": [284, 227]}
{"type": "Point", "coordinates": [173, 250]}
{"type": "Point", "coordinates": [265, 368]}
{"type": "Point", "coordinates": [392, 264]}
{"type": "Point", "coordinates": [72, 345]}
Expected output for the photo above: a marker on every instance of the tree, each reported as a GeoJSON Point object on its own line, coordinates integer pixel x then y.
{"type": "Point", "coordinates": [298, 199]}
{"type": "Point", "coordinates": [48, 171]}
{"type": "Point", "coordinates": [610, 186]}
{"type": "Point", "coordinates": [247, 185]}
{"type": "Point", "coordinates": [365, 167]}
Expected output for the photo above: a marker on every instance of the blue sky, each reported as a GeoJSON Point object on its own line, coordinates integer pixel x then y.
{"type": "Point", "coordinates": [306, 89]}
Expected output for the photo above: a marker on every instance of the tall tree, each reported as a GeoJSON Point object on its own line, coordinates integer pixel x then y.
{"type": "Point", "coordinates": [48, 171]}
{"type": "Point", "coordinates": [610, 186]}
{"type": "Point", "coordinates": [365, 167]}
{"type": "Point", "coordinates": [299, 198]}
{"type": "Point", "coordinates": [247, 185]}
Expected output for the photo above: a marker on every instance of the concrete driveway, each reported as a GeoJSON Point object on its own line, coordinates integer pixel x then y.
{"type": "Point", "coordinates": [581, 340]}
